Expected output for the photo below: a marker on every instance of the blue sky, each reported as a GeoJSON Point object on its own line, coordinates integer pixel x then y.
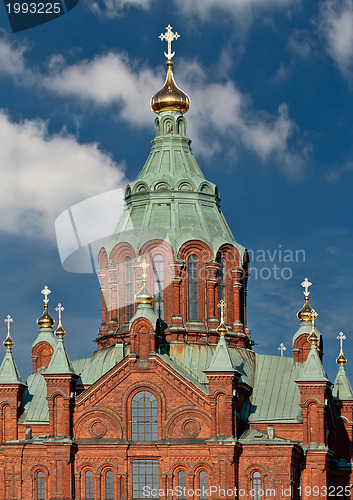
{"type": "Point", "coordinates": [271, 88]}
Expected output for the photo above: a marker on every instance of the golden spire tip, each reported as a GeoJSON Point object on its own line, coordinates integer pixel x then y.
{"type": "Point", "coordinates": [144, 296]}
{"type": "Point", "coordinates": [313, 338]}
{"type": "Point", "coordinates": [341, 360]}
{"type": "Point", "coordinates": [8, 342]}
{"type": "Point", "coordinates": [60, 332]}
{"type": "Point", "coordinates": [222, 327]}
{"type": "Point", "coordinates": [45, 321]}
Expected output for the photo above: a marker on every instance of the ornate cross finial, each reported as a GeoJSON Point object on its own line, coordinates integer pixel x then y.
{"type": "Point", "coordinates": [9, 320]}
{"type": "Point", "coordinates": [169, 36]}
{"type": "Point", "coordinates": [144, 265]}
{"type": "Point", "coordinates": [60, 310]}
{"type": "Point", "coordinates": [306, 284]}
{"type": "Point", "coordinates": [46, 292]}
{"type": "Point", "coordinates": [313, 338]}
{"type": "Point", "coordinates": [282, 348]}
{"type": "Point", "coordinates": [313, 315]}
{"type": "Point", "coordinates": [341, 337]}
{"type": "Point", "coordinates": [341, 360]}
{"type": "Point", "coordinates": [8, 342]}
{"type": "Point", "coordinates": [222, 305]}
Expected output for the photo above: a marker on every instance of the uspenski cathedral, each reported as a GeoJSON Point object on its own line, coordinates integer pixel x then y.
{"type": "Point", "coordinates": [175, 402]}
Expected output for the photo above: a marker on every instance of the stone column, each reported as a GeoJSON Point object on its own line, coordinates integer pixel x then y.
{"type": "Point", "coordinates": [113, 285]}
{"type": "Point", "coordinates": [102, 279]}
{"type": "Point", "coordinates": [237, 272]}
{"type": "Point", "coordinates": [177, 314]}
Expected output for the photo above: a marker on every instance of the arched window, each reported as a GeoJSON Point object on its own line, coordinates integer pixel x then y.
{"type": "Point", "coordinates": [144, 417]}
{"type": "Point", "coordinates": [182, 483]}
{"type": "Point", "coordinates": [256, 485]}
{"type": "Point", "coordinates": [158, 285]}
{"type": "Point", "coordinates": [109, 485]}
{"type": "Point", "coordinates": [40, 486]}
{"type": "Point", "coordinates": [88, 485]}
{"type": "Point", "coordinates": [203, 485]}
{"type": "Point", "coordinates": [193, 292]}
{"type": "Point", "coordinates": [128, 288]}
{"type": "Point", "coordinates": [222, 278]}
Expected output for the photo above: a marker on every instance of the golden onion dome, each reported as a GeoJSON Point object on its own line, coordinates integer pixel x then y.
{"type": "Point", "coordinates": [341, 360]}
{"type": "Point", "coordinates": [46, 321]}
{"type": "Point", "coordinates": [60, 332]}
{"type": "Point", "coordinates": [8, 342]}
{"type": "Point", "coordinates": [170, 97]}
{"type": "Point", "coordinates": [222, 329]}
{"type": "Point", "coordinates": [305, 313]}
{"type": "Point", "coordinates": [144, 296]}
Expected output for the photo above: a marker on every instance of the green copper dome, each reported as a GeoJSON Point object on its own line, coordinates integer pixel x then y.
{"type": "Point", "coordinates": [171, 200]}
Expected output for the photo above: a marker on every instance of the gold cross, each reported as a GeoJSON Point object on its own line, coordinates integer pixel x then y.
{"type": "Point", "coordinates": [169, 36]}
{"type": "Point", "coordinates": [8, 320]}
{"type": "Point", "coordinates": [59, 309]}
{"type": "Point", "coordinates": [144, 267]}
{"type": "Point", "coordinates": [46, 292]}
{"type": "Point", "coordinates": [222, 305]}
{"type": "Point", "coordinates": [306, 283]}
{"type": "Point", "coordinates": [313, 317]}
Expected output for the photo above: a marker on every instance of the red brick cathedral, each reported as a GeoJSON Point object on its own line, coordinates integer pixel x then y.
{"type": "Point", "coordinates": [174, 403]}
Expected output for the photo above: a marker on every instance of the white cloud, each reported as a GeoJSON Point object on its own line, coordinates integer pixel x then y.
{"type": "Point", "coordinates": [106, 80]}
{"type": "Point", "coordinates": [12, 59]}
{"type": "Point", "coordinates": [238, 10]}
{"type": "Point", "coordinates": [219, 110]}
{"type": "Point", "coordinates": [114, 8]}
{"type": "Point", "coordinates": [335, 175]}
{"type": "Point", "coordinates": [207, 9]}
{"type": "Point", "coordinates": [220, 114]}
{"type": "Point", "coordinates": [42, 174]}
{"type": "Point", "coordinates": [336, 24]}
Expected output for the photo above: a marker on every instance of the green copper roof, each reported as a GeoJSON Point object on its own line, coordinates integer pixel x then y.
{"type": "Point", "coordinates": [313, 371]}
{"type": "Point", "coordinates": [9, 373]}
{"type": "Point", "coordinates": [342, 388]}
{"type": "Point", "coordinates": [35, 400]}
{"type": "Point", "coordinates": [221, 361]}
{"type": "Point", "coordinates": [46, 335]}
{"type": "Point", "coordinates": [59, 363]}
{"type": "Point", "coordinates": [91, 369]}
{"type": "Point", "coordinates": [171, 200]}
{"type": "Point", "coordinates": [275, 396]}
{"type": "Point", "coordinates": [144, 310]}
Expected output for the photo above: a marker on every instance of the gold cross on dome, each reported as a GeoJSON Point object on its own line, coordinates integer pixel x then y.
{"type": "Point", "coordinates": [306, 283]}
{"type": "Point", "coordinates": [341, 337]}
{"type": "Point", "coordinates": [169, 36]}
{"type": "Point", "coordinates": [282, 348]}
{"type": "Point", "coordinates": [9, 320]}
{"type": "Point", "coordinates": [45, 292]}
{"type": "Point", "coordinates": [144, 267]}
{"type": "Point", "coordinates": [313, 316]}
{"type": "Point", "coordinates": [222, 305]}
{"type": "Point", "coordinates": [59, 309]}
